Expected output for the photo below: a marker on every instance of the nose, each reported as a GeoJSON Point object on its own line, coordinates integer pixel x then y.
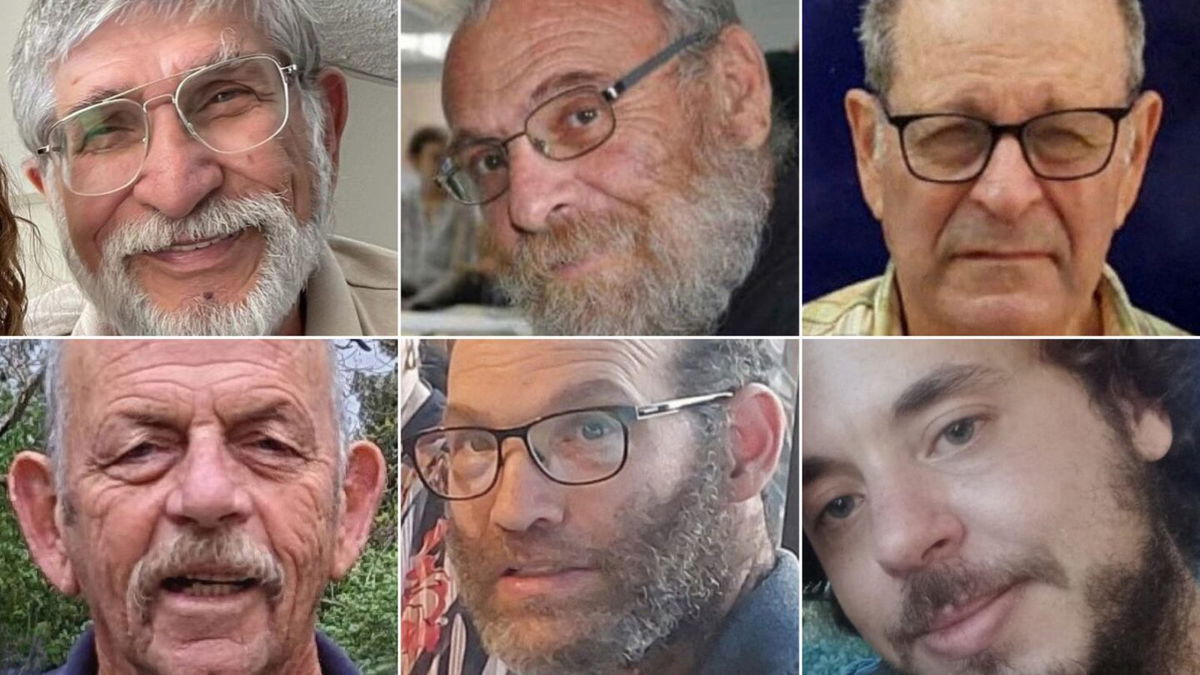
{"type": "Point", "coordinates": [1008, 186]}
{"type": "Point", "coordinates": [538, 187]}
{"type": "Point", "coordinates": [209, 493]}
{"type": "Point", "coordinates": [179, 171]}
{"type": "Point", "coordinates": [525, 498]}
{"type": "Point", "coordinates": [913, 525]}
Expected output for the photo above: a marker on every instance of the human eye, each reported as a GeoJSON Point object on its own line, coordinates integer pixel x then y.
{"type": "Point", "coordinates": [582, 117]}
{"type": "Point", "coordinates": [140, 461]}
{"type": "Point", "coordinates": [271, 446]}
{"type": "Point", "coordinates": [486, 160]}
{"type": "Point", "coordinates": [588, 428]}
{"type": "Point", "coordinates": [105, 132]}
{"type": "Point", "coordinates": [959, 434]}
{"type": "Point", "coordinates": [837, 511]}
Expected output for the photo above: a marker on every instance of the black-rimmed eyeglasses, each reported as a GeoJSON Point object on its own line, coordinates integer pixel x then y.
{"type": "Point", "coordinates": [573, 447]}
{"type": "Point", "coordinates": [1059, 145]}
{"type": "Point", "coordinates": [565, 126]}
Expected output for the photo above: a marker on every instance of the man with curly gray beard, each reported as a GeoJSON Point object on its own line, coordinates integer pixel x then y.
{"type": "Point", "coordinates": [625, 156]}
{"type": "Point", "coordinates": [606, 506]}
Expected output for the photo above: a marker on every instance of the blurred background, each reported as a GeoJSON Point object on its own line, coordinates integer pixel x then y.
{"type": "Point", "coordinates": [438, 308]}
{"type": "Point", "coordinates": [358, 36]}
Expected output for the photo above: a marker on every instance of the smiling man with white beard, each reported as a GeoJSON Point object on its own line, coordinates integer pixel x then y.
{"type": "Point", "coordinates": [188, 152]}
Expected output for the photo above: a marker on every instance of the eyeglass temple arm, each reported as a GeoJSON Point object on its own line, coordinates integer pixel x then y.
{"type": "Point", "coordinates": [619, 87]}
{"type": "Point", "coordinates": [669, 407]}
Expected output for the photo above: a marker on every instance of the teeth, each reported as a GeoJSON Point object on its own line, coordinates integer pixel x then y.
{"type": "Point", "coordinates": [183, 248]}
{"type": "Point", "coordinates": [207, 587]}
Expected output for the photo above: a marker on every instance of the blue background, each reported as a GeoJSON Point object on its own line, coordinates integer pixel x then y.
{"type": "Point", "coordinates": [1156, 253]}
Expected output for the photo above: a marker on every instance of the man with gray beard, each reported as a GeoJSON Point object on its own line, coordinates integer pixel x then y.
{"type": "Point", "coordinates": [605, 508]}
{"type": "Point", "coordinates": [198, 496]}
{"type": "Point", "coordinates": [188, 153]}
{"type": "Point", "coordinates": [624, 155]}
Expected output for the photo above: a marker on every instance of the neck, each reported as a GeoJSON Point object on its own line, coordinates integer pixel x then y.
{"type": "Point", "coordinates": [917, 321]}
{"type": "Point", "coordinates": [293, 324]}
{"type": "Point", "coordinates": [110, 661]}
{"type": "Point", "coordinates": [686, 652]}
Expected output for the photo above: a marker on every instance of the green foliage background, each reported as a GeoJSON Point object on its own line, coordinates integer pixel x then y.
{"type": "Point", "coordinates": [38, 625]}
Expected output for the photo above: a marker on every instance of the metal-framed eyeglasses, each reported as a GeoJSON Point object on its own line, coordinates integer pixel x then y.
{"type": "Point", "coordinates": [574, 447]}
{"type": "Point", "coordinates": [1061, 145]}
{"type": "Point", "coordinates": [231, 106]}
{"type": "Point", "coordinates": [564, 127]}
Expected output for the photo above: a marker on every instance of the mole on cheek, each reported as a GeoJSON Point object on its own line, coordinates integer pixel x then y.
{"type": "Point", "coordinates": [209, 295]}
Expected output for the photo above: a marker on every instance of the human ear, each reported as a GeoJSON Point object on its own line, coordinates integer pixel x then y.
{"type": "Point", "coordinates": [1143, 120]}
{"type": "Point", "coordinates": [862, 113]}
{"type": "Point", "coordinates": [34, 173]}
{"type": "Point", "coordinates": [745, 86]}
{"type": "Point", "coordinates": [1150, 430]}
{"type": "Point", "coordinates": [362, 487]}
{"type": "Point", "coordinates": [757, 427]}
{"type": "Point", "coordinates": [31, 491]}
{"type": "Point", "coordinates": [332, 83]}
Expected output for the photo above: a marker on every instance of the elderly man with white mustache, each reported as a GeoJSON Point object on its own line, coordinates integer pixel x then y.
{"type": "Point", "coordinates": [188, 152]}
{"type": "Point", "coordinates": [198, 496]}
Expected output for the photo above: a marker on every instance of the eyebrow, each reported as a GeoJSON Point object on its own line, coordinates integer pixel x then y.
{"type": "Point", "coordinates": [224, 52]}
{"type": "Point", "coordinates": [563, 82]}
{"type": "Point", "coordinates": [813, 469]}
{"type": "Point", "coordinates": [556, 84]}
{"type": "Point", "coordinates": [943, 383]}
{"type": "Point", "coordinates": [580, 394]}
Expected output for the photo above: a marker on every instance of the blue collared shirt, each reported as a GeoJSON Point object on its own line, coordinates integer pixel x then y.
{"type": "Point", "coordinates": [760, 634]}
{"type": "Point", "coordinates": [82, 659]}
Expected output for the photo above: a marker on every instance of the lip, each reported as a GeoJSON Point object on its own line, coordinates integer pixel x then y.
{"type": "Point", "coordinates": [545, 581]}
{"type": "Point", "coordinates": [1006, 256]}
{"type": "Point", "coordinates": [207, 606]}
{"type": "Point", "coordinates": [580, 266]}
{"type": "Point", "coordinates": [966, 630]}
{"type": "Point", "coordinates": [210, 254]}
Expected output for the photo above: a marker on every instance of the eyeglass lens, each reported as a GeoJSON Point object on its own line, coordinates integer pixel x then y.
{"type": "Point", "coordinates": [1065, 145]}
{"type": "Point", "coordinates": [572, 448]}
{"type": "Point", "coordinates": [565, 127]}
{"type": "Point", "coordinates": [230, 107]}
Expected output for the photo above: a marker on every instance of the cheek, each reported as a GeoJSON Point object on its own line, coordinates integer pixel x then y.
{"type": "Point", "coordinates": [114, 530]}
{"type": "Point", "coordinates": [470, 517]}
{"type": "Point", "coordinates": [91, 220]}
{"type": "Point", "coordinates": [300, 522]}
{"type": "Point", "coordinates": [1087, 210]}
{"type": "Point", "coordinates": [915, 215]}
{"type": "Point", "coordinates": [281, 166]}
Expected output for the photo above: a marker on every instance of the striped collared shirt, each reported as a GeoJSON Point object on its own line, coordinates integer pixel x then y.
{"type": "Point", "coordinates": [872, 307]}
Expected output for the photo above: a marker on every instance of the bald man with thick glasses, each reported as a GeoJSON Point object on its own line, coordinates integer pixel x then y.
{"type": "Point", "coordinates": [1001, 147]}
{"type": "Point", "coordinates": [189, 155]}
{"type": "Point", "coordinates": [622, 156]}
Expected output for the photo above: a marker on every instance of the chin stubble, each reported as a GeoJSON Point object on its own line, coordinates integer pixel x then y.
{"type": "Point", "coordinates": [664, 581]}
{"type": "Point", "coordinates": [676, 261]}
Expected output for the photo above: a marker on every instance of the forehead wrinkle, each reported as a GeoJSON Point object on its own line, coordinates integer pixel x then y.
{"type": "Point", "coordinates": [537, 42]}
{"type": "Point", "coordinates": [1007, 54]}
{"type": "Point", "coordinates": [634, 365]}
